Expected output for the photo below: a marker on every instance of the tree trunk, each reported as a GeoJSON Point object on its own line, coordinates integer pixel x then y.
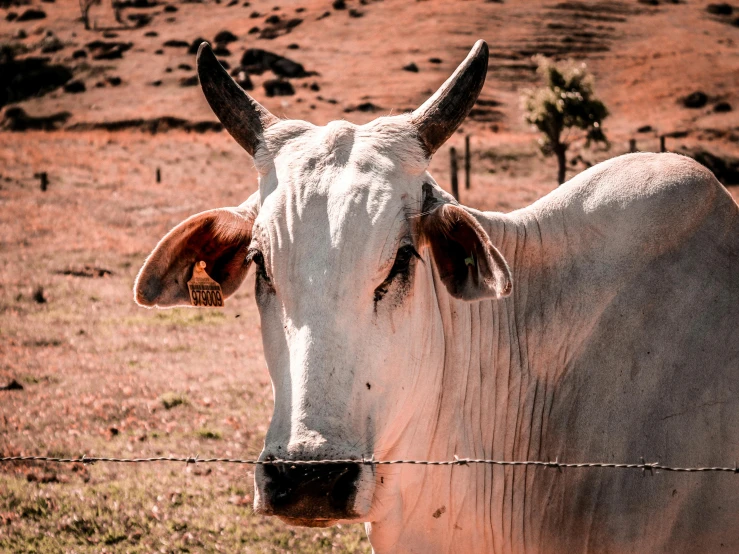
{"type": "Point", "coordinates": [560, 151]}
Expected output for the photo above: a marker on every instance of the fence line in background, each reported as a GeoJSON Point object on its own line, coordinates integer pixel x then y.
{"type": "Point", "coordinates": [467, 162]}
{"type": "Point", "coordinates": [454, 178]}
{"type": "Point", "coordinates": [662, 146]}
{"type": "Point", "coordinates": [643, 466]}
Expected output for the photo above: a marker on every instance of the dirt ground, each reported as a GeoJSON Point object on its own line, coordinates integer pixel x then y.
{"type": "Point", "coordinates": [101, 376]}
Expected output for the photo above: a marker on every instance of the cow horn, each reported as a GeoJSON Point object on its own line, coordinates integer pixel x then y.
{"type": "Point", "coordinates": [441, 114]}
{"type": "Point", "coordinates": [242, 116]}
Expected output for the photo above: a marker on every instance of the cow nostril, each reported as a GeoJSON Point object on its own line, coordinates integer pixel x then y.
{"type": "Point", "coordinates": [319, 490]}
{"type": "Point", "coordinates": [344, 486]}
{"type": "Point", "coordinates": [272, 472]}
{"type": "Point", "coordinates": [281, 495]}
{"type": "Point", "coordinates": [281, 484]}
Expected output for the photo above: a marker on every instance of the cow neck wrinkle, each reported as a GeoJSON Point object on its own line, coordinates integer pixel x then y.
{"type": "Point", "coordinates": [500, 380]}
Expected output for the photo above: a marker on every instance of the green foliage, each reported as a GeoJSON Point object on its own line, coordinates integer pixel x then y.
{"type": "Point", "coordinates": [173, 399]}
{"type": "Point", "coordinates": [565, 101]}
{"type": "Point", "coordinates": [209, 434]}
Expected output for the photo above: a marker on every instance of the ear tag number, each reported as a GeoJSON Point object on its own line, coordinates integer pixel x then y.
{"type": "Point", "coordinates": [470, 260]}
{"type": "Point", "coordinates": [204, 291]}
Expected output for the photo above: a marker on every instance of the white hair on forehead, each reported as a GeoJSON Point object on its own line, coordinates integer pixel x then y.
{"type": "Point", "coordinates": [392, 137]}
{"type": "Point", "coordinates": [276, 137]}
{"type": "Point", "coordinates": [397, 138]}
{"type": "Point", "coordinates": [338, 134]}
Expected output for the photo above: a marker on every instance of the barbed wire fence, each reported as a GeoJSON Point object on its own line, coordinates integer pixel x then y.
{"type": "Point", "coordinates": [556, 464]}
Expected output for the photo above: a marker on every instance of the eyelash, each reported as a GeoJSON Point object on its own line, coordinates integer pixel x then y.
{"type": "Point", "coordinates": [401, 266]}
{"type": "Point", "coordinates": [256, 256]}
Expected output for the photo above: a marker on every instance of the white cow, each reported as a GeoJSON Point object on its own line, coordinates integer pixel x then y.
{"type": "Point", "coordinates": [599, 324]}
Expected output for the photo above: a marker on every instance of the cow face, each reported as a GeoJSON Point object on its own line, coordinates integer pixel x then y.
{"type": "Point", "coordinates": [350, 238]}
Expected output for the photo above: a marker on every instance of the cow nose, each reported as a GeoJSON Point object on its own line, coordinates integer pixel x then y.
{"type": "Point", "coordinates": [322, 491]}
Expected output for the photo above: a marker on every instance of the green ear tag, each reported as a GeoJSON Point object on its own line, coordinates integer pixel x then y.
{"type": "Point", "coordinates": [470, 260]}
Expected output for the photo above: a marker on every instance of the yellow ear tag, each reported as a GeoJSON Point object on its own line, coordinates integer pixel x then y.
{"type": "Point", "coordinates": [204, 291]}
{"type": "Point", "coordinates": [470, 260]}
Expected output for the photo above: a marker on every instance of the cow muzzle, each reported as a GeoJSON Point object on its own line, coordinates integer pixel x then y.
{"type": "Point", "coordinates": [311, 495]}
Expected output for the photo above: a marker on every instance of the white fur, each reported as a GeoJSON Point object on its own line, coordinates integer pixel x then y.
{"type": "Point", "coordinates": [539, 375]}
{"type": "Point", "coordinates": [620, 340]}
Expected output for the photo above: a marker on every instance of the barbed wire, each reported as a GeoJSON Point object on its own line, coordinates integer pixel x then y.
{"type": "Point", "coordinates": [643, 466]}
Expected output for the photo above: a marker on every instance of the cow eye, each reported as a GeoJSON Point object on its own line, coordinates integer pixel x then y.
{"type": "Point", "coordinates": [256, 256]}
{"type": "Point", "coordinates": [403, 260]}
{"type": "Point", "coordinates": [401, 269]}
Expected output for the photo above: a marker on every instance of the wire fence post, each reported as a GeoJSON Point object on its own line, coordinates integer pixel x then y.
{"type": "Point", "coordinates": [453, 169]}
{"type": "Point", "coordinates": [662, 144]}
{"type": "Point", "coordinates": [467, 162]}
{"type": "Point", "coordinates": [632, 145]}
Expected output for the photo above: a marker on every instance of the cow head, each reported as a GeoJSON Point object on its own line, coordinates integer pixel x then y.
{"type": "Point", "coordinates": [352, 242]}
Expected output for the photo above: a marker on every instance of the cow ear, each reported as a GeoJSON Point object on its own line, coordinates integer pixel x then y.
{"type": "Point", "coordinates": [470, 267]}
{"type": "Point", "coordinates": [219, 237]}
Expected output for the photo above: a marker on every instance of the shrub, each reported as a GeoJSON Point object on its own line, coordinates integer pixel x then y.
{"type": "Point", "coordinates": [209, 434]}
{"type": "Point", "coordinates": [566, 101]}
{"type": "Point", "coordinates": [173, 399]}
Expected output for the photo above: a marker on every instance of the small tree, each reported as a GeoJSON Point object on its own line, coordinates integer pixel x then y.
{"type": "Point", "coordinates": [566, 101]}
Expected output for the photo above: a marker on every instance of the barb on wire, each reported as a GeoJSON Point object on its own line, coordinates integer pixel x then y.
{"type": "Point", "coordinates": [643, 466]}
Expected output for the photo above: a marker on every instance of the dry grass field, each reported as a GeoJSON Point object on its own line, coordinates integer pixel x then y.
{"type": "Point", "coordinates": [100, 376]}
